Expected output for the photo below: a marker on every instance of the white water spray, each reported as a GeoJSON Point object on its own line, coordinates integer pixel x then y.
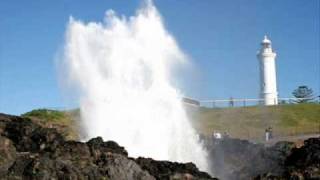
{"type": "Point", "coordinates": [122, 69]}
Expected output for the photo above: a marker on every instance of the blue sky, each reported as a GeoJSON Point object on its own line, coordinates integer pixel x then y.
{"type": "Point", "coordinates": [221, 37]}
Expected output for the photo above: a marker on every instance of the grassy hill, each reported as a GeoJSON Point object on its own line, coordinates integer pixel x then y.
{"type": "Point", "coordinates": [63, 121]}
{"type": "Point", "coordinates": [251, 122]}
{"type": "Point", "coordinates": [240, 122]}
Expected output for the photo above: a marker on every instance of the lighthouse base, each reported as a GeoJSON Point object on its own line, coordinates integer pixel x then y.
{"type": "Point", "coordinates": [269, 99]}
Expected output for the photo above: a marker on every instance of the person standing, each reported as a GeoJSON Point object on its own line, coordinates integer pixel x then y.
{"type": "Point", "coordinates": [267, 134]}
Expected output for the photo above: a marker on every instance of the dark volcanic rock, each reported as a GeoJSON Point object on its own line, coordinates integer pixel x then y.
{"type": "Point", "coordinates": [119, 167]}
{"type": "Point", "coordinates": [7, 154]}
{"type": "Point", "coordinates": [18, 130]}
{"type": "Point", "coordinates": [301, 164]}
{"type": "Point", "coordinates": [171, 170]}
{"type": "Point", "coordinates": [97, 144]}
{"type": "Point", "coordinates": [304, 161]}
{"type": "Point", "coordinates": [234, 159]}
{"type": "Point", "coordinates": [29, 151]}
{"type": "Point", "coordinates": [45, 139]}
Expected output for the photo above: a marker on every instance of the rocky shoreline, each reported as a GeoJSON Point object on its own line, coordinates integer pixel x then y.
{"type": "Point", "coordinates": [235, 159]}
{"type": "Point", "coordinates": [29, 151]}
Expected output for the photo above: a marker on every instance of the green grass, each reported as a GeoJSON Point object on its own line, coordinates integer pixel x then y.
{"type": "Point", "coordinates": [63, 121]}
{"type": "Point", "coordinates": [251, 122]}
{"type": "Point", "coordinates": [239, 122]}
{"type": "Point", "coordinates": [46, 115]}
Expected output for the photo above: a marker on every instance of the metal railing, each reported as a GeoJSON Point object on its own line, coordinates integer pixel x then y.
{"type": "Point", "coordinates": [243, 102]}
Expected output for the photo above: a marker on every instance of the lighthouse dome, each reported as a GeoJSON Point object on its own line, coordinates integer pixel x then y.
{"type": "Point", "coordinates": [265, 40]}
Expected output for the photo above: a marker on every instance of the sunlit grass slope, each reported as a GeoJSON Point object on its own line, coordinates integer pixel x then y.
{"type": "Point", "coordinates": [251, 122]}
{"type": "Point", "coordinates": [240, 122]}
{"type": "Point", "coordinates": [64, 121]}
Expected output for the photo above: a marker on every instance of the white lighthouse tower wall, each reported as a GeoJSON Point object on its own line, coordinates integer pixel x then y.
{"type": "Point", "coordinates": [268, 80]}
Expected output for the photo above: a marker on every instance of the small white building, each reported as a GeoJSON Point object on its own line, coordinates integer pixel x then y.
{"type": "Point", "coordinates": [268, 78]}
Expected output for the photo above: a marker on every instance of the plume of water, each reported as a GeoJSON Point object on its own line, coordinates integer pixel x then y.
{"type": "Point", "coordinates": [121, 69]}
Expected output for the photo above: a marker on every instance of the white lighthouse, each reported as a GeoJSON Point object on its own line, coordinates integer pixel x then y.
{"type": "Point", "coordinates": [268, 80]}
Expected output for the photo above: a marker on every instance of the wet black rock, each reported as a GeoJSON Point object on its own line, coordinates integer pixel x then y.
{"type": "Point", "coordinates": [29, 151]}
{"type": "Point", "coordinates": [171, 170]}
{"type": "Point", "coordinates": [234, 159]}
{"type": "Point", "coordinates": [97, 144]}
{"type": "Point", "coordinates": [7, 155]}
{"type": "Point", "coordinates": [304, 161]}
{"type": "Point", "coordinates": [301, 164]}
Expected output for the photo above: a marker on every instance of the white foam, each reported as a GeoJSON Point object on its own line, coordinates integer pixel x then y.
{"type": "Point", "coordinates": [122, 68]}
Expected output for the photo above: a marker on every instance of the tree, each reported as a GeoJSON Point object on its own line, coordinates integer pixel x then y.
{"type": "Point", "coordinates": [303, 92]}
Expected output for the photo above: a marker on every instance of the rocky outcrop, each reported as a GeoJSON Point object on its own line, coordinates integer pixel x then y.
{"type": "Point", "coordinates": [301, 164]}
{"type": "Point", "coordinates": [234, 159]}
{"type": "Point", "coordinates": [7, 155]}
{"type": "Point", "coordinates": [29, 151]}
{"type": "Point", "coordinates": [304, 162]}
{"type": "Point", "coordinates": [163, 170]}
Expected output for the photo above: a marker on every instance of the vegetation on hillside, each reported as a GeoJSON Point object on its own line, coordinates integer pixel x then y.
{"type": "Point", "coordinates": [240, 122]}
{"type": "Point", "coordinates": [63, 121]}
{"type": "Point", "coordinates": [47, 115]}
{"type": "Point", "coordinates": [251, 122]}
{"type": "Point", "coordinates": [303, 92]}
